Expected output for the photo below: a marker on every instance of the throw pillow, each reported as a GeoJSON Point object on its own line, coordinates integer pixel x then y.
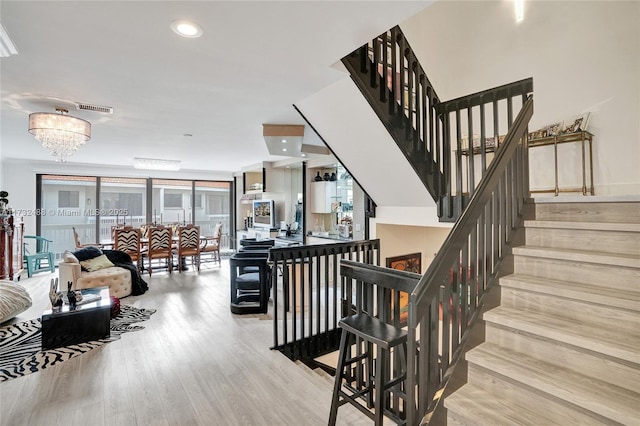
{"type": "Point", "coordinates": [87, 253]}
{"type": "Point", "coordinates": [96, 263]}
{"type": "Point", "coordinates": [14, 300]}
{"type": "Point", "coordinates": [68, 257]}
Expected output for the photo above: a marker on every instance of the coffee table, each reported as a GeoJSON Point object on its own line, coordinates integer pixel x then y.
{"type": "Point", "coordinates": [88, 321]}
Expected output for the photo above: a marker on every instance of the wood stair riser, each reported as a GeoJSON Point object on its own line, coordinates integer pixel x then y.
{"type": "Point", "coordinates": [507, 389]}
{"type": "Point", "coordinates": [570, 309]}
{"type": "Point", "coordinates": [609, 241]}
{"type": "Point", "coordinates": [592, 364]}
{"type": "Point", "coordinates": [618, 212]}
{"type": "Point", "coordinates": [579, 272]}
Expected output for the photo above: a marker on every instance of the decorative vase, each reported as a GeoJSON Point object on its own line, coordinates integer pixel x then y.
{"type": "Point", "coordinates": [333, 177]}
{"type": "Point", "coordinates": [326, 176]}
{"type": "Point", "coordinates": [318, 178]}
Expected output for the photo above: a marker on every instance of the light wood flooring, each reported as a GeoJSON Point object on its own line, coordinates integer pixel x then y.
{"type": "Point", "coordinates": [195, 363]}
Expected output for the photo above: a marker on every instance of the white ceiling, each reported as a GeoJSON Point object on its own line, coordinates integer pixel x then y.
{"type": "Point", "coordinates": [253, 63]}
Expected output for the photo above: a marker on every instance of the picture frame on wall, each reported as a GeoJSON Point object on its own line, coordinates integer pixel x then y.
{"type": "Point", "coordinates": [409, 263]}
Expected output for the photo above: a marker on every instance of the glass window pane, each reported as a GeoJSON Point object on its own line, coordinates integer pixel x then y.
{"type": "Point", "coordinates": [171, 201]}
{"type": "Point", "coordinates": [123, 201]}
{"type": "Point", "coordinates": [67, 201]}
{"type": "Point", "coordinates": [214, 208]}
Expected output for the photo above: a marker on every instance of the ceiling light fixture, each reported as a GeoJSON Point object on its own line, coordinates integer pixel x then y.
{"type": "Point", "coordinates": [519, 8]}
{"type": "Point", "coordinates": [59, 132]}
{"type": "Point", "coordinates": [186, 29]}
{"type": "Point", "coordinates": [155, 164]}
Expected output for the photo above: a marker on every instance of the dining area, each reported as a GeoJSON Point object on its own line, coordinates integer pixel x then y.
{"type": "Point", "coordinates": [153, 246]}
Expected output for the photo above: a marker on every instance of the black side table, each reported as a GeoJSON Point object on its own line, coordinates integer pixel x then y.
{"type": "Point", "coordinates": [89, 321]}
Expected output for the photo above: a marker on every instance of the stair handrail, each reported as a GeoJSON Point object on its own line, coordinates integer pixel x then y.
{"type": "Point", "coordinates": [507, 172]}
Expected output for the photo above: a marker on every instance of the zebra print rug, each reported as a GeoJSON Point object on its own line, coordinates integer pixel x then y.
{"type": "Point", "coordinates": [20, 343]}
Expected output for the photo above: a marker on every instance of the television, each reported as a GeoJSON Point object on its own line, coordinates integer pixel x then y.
{"type": "Point", "coordinates": [264, 214]}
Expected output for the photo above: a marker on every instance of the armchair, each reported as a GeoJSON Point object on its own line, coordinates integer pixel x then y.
{"type": "Point", "coordinates": [33, 257]}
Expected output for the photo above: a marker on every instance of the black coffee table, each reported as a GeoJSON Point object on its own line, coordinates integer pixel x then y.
{"type": "Point", "coordinates": [88, 321]}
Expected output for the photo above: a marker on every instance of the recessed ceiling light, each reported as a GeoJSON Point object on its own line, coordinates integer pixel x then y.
{"type": "Point", "coordinates": [284, 149]}
{"type": "Point", "coordinates": [284, 141]}
{"type": "Point", "coordinates": [186, 29]}
{"type": "Point", "coordinates": [304, 155]}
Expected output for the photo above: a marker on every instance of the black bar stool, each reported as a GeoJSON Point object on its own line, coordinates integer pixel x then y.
{"type": "Point", "coordinates": [385, 337]}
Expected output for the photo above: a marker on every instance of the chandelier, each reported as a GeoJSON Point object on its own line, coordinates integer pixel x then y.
{"type": "Point", "coordinates": [59, 132]}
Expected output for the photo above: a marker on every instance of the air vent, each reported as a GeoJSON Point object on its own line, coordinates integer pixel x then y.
{"type": "Point", "coordinates": [96, 108]}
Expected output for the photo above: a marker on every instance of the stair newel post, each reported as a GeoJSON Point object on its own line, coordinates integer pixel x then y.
{"type": "Point", "coordinates": [509, 108]}
{"type": "Point", "coordinates": [429, 140]}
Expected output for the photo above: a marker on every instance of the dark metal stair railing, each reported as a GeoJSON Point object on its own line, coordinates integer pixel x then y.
{"type": "Point", "coordinates": [308, 295]}
{"type": "Point", "coordinates": [445, 301]}
{"type": "Point", "coordinates": [390, 77]}
{"type": "Point", "coordinates": [431, 132]}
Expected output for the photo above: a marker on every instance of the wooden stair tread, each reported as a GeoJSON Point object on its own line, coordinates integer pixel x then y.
{"type": "Point", "coordinates": [605, 258]}
{"type": "Point", "coordinates": [482, 407]}
{"type": "Point", "coordinates": [597, 396]}
{"type": "Point", "coordinates": [586, 292]}
{"type": "Point", "coordinates": [606, 339]}
{"type": "Point", "coordinates": [590, 226]}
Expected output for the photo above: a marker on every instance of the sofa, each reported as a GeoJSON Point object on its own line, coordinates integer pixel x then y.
{"type": "Point", "coordinates": [91, 267]}
{"type": "Point", "coordinates": [118, 279]}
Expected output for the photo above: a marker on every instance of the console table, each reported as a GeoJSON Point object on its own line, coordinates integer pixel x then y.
{"type": "Point", "coordinates": [582, 137]}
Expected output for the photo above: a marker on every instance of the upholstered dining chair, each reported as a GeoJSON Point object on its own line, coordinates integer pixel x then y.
{"type": "Point", "coordinates": [79, 245]}
{"type": "Point", "coordinates": [210, 248]}
{"type": "Point", "coordinates": [127, 239]}
{"type": "Point", "coordinates": [160, 246]}
{"type": "Point", "coordinates": [188, 245]}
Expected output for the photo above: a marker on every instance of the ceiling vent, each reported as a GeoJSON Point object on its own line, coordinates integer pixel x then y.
{"type": "Point", "coordinates": [96, 108]}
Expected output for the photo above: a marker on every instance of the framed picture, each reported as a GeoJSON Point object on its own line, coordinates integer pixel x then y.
{"type": "Point", "coordinates": [410, 263]}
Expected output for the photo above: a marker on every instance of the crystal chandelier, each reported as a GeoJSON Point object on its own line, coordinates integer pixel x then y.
{"type": "Point", "coordinates": [60, 133]}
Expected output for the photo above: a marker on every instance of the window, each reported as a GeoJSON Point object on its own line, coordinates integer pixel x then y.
{"type": "Point", "coordinates": [173, 200]}
{"type": "Point", "coordinates": [198, 201]}
{"type": "Point", "coordinates": [69, 199]}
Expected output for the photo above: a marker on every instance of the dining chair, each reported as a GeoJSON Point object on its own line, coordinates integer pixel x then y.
{"type": "Point", "coordinates": [127, 240]}
{"type": "Point", "coordinates": [210, 247]}
{"type": "Point", "coordinates": [188, 245]}
{"type": "Point", "coordinates": [79, 245]}
{"type": "Point", "coordinates": [160, 246]}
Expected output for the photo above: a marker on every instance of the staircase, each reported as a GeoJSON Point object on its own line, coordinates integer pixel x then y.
{"type": "Point", "coordinates": [563, 346]}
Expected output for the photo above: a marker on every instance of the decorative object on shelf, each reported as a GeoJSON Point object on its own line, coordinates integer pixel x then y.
{"type": "Point", "coordinates": [5, 210]}
{"type": "Point", "coordinates": [318, 178]}
{"type": "Point", "coordinates": [577, 123]}
{"type": "Point", "coordinates": [60, 133]}
{"type": "Point", "coordinates": [333, 177]}
{"type": "Point", "coordinates": [54, 295]}
{"type": "Point", "coordinates": [326, 177]}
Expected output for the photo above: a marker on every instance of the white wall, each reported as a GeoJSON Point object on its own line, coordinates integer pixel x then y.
{"type": "Point", "coordinates": [582, 55]}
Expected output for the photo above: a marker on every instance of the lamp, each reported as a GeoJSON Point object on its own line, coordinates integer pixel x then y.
{"type": "Point", "coordinates": [60, 133]}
